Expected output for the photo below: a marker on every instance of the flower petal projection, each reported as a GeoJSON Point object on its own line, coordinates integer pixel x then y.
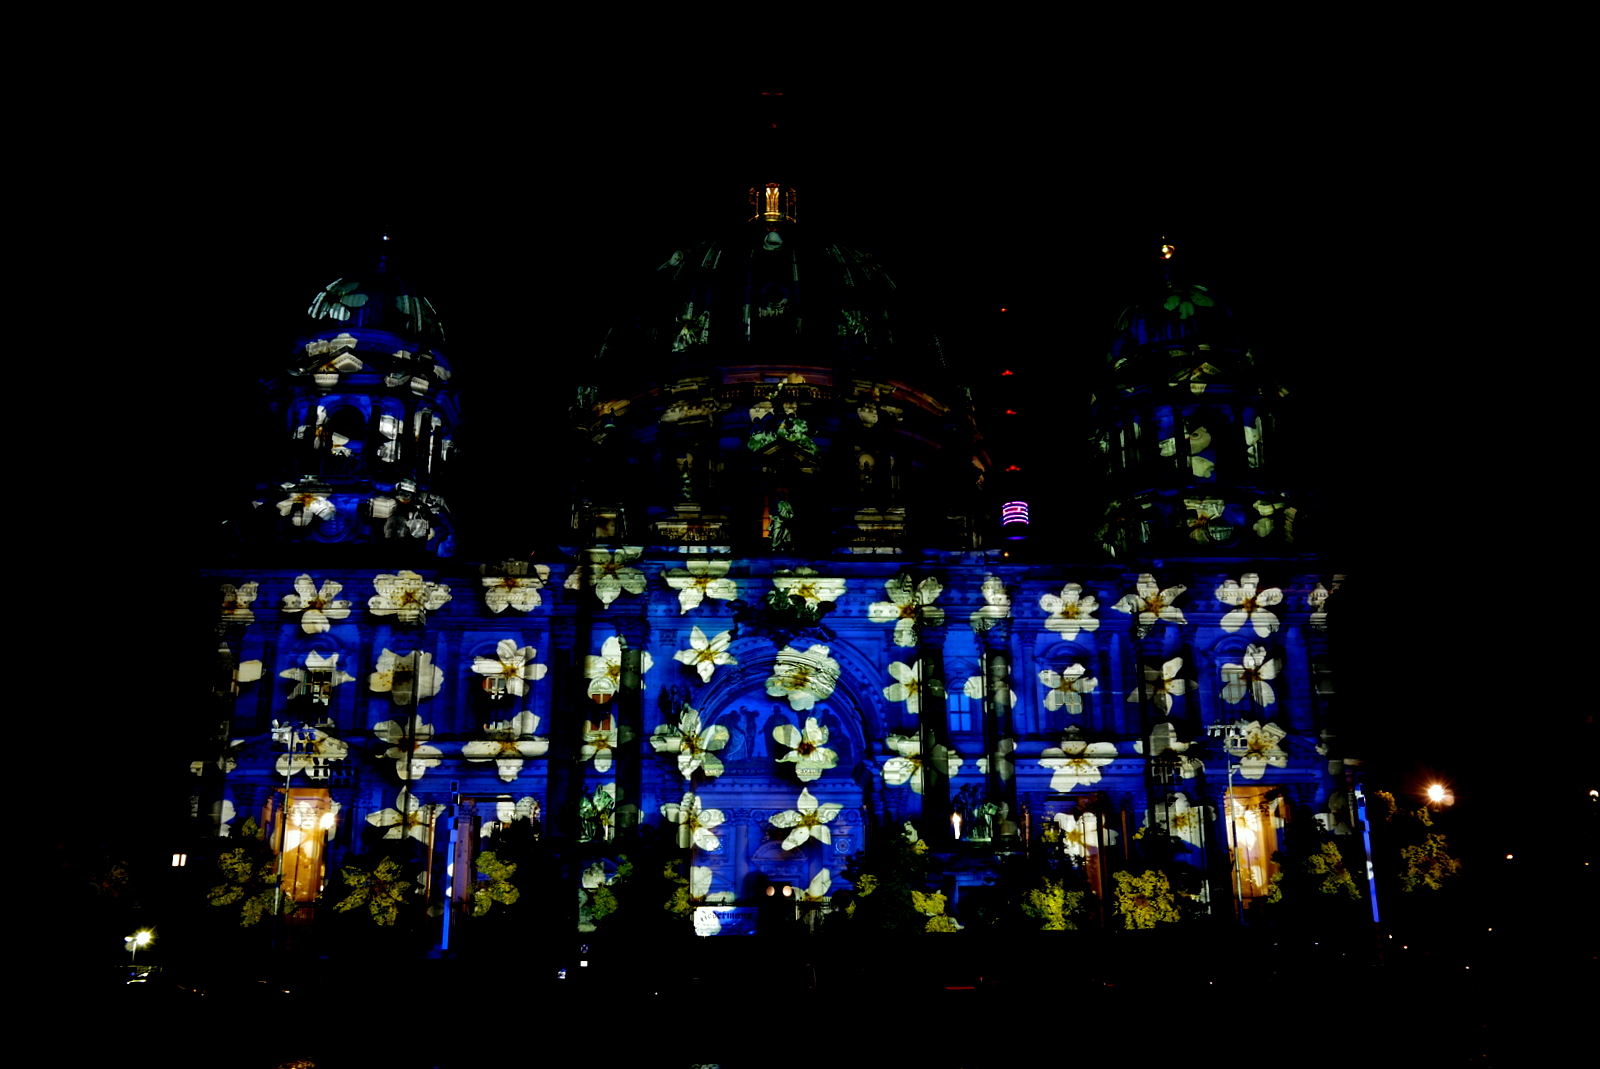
{"type": "Point", "coordinates": [319, 607]}
{"type": "Point", "coordinates": [908, 687]}
{"type": "Point", "coordinates": [996, 604]}
{"type": "Point", "coordinates": [236, 603]}
{"type": "Point", "coordinates": [807, 584]}
{"type": "Point", "coordinates": [1186, 821]}
{"type": "Point", "coordinates": [1160, 687]}
{"type": "Point", "coordinates": [806, 750]}
{"type": "Point", "coordinates": [303, 506]}
{"type": "Point", "coordinates": [1076, 763]}
{"type": "Point", "coordinates": [1256, 746]}
{"type": "Point", "coordinates": [805, 677]}
{"type": "Point", "coordinates": [608, 574]}
{"type": "Point", "coordinates": [409, 817]}
{"type": "Point", "coordinates": [406, 678]}
{"type": "Point", "coordinates": [1164, 747]}
{"type": "Point", "coordinates": [908, 765]}
{"type": "Point", "coordinates": [320, 673]}
{"type": "Point", "coordinates": [600, 741]}
{"type": "Point", "coordinates": [408, 746]}
{"type": "Point", "coordinates": [908, 607]}
{"type": "Point", "coordinates": [703, 654]}
{"type": "Point", "coordinates": [1250, 604]}
{"type": "Point", "coordinates": [974, 688]}
{"type": "Point", "coordinates": [1250, 678]}
{"type": "Point", "coordinates": [817, 890]}
{"type": "Point", "coordinates": [694, 822]}
{"type": "Point", "coordinates": [605, 671]}
{"type": "Point", "coordinates": [1070, 613]}
{"type": "Point", "coordinates": [407, 595]}
{"type": "Point", "coordinates": [310, 751]}
{"type": "Point", "coordinates": [1082, 834]}
{"type": "Point", "coordinates": [515, 666]}
{"type": "Point", "coordinates": [693, 744]}
{"type": "Point", "coordinates": [1067, 688]}
{"type": "Point", "coordinates": [520, 592]}
{"type": "Point", "coordinates": [807, 819]}
{"type": "Point", "coordinates": [509, 744]}
{"type": "Point", "coordinates": [701, 579]}
{"type": "Point", "coordinates": [703, 898]}
{"type": "Point", "coordinates": [1152, 604]}
{"type": "Point", "coordinates": [508, 812]}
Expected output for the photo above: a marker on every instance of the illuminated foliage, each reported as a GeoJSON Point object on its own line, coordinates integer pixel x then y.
{"type": "Point", "coordinates": [1186, 298]}
{"type": "Point", "coordinates": [381, 891]}
{"type": "Point", "coordinates": [1427, 865]}
{"type": "Point", "coordinates": [493, 885]}
{"type": "Point", "coordinates": [1055, 908]}
{"type": "Point", "coordinates": [1145, 900]}
{"type": "Point", "coordinates": [248, 872]}
{"type": "Point", "coordinates": [1326, 866]}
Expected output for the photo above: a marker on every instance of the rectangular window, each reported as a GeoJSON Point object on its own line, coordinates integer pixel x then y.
{"type": "Point", "coordinates": [309, 820]}
{"type": "Point", "coordinates": [1256, 817]}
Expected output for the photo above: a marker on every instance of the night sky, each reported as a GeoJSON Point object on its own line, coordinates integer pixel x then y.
{"type": "Point", "coordinates": [524, 216]}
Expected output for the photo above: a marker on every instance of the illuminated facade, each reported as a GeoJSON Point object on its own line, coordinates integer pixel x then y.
{"type": "Point", "coordinates": [786, 620]}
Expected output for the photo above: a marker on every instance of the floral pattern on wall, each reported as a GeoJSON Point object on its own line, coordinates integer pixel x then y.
{"type": "Point", "coordinates": [318, 608]}
{"type": "Point", "coordinates": [1070, 613]}
{"type": "Point", "coordinates": [701, 579]}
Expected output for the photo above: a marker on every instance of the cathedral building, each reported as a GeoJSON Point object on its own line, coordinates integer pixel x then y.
{"type": "Point", "coordinates": [803, 603]}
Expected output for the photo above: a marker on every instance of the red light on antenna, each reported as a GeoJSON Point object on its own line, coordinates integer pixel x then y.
{"type": "Point", "coordinates": [1012, 467]}
{"type": "Point", "coordinates": [1002, 309]}
{"type": "Point", "coordinates": [1006, 372]}
{"type": "Point", "coordinates": [1011, 411]}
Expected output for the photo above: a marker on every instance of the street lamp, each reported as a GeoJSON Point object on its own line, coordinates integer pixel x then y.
{"type": "Point", "coordinates": [1234, 743]}
{"type": "Point", "coordinates": [141, 938]}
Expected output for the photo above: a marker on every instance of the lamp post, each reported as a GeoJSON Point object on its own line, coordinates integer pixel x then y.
{"type": "Point", "coordinates": [138, 939]}
{"type": "Point", "coordinates": [1232, 739]}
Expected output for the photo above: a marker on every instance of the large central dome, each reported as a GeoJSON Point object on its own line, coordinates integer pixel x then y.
{"type": "Point", "coordinates": [772, 384]}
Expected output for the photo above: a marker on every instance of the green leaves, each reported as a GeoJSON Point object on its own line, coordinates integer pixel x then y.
{"type": "Point", "coordinates": [381, 891]}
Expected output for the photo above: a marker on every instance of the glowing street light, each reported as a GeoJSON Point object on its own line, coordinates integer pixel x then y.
{"type": "Point", "coordinates": [1435, 793]}
{"type": "Point", "coordinates": [141, 938]}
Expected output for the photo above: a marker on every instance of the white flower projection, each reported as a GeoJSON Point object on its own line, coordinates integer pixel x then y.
{"type": "Point", "coordinates": [807, 820]}
{"type": "Point", "coordinates": [908, 607]}
{"type": "Point", "coordinates": [236, 603]}
{"type": "Point", "coordinates": [1250, 604]}
{"type": "Point", "coordinates": [908, 688]}
{"type": "Point", "coordinates": [1077, 763]}
{"type": "Point", "coordinates": [1071, 613]}
{"type": "Point", "coordinates": [407, 678]}
{"type": "Point", "coordinates": [318, 608]}
{"type": "Point", "coordinates": [315, 667]}
{"type": "Point", "coordinates": [996, 604]}
{"type": "Point", "coordinates": [408, 746]}
{"type": "Point", "coordinates": [1066, 688]}
{"type": "Point", "coordinates": [1251, 678]}
{"type": "Point", "coordinates": [409, 818]}
{"type": "Point", "coordinates": [807, 584]}
{"type": "Point", "coordinates": [1256, 747]}
{"type": "Point", "coordinates": [705, 654]}
{"type": "Point", "coordinates": [509, 744]}
{"type": "Point", "coordinates": [303, 507]}
{"type": "Point", "coordinates": [703, 898]}
{"type": "Point", "coordinates": [803, 676]}
{"type": "Point", "coordinates": [1164, 743]}
{"type": "Point", "coordinates": [1152, 604]}
{"type": "Point", "coordinates": [1082, 834]}
{"type": "Point", "coordinates": [701, 579]}
{"type": "Point", "coordinates": [605, 671]}
{"type": "Point", "coordinates": [1161, 686]}
{"type": "Point", "coordinates": [515, 666]}
{"type": "Point", "coordinates": [907, 765]}
{"type": "Point", "coordinates": [694, 746]}
{"type": "Point", "coordinates": [694, 821]}
{"type": "Point", "coordinates": [520, 592]}
{"type": "Point", "coordinates": [608, 574]}
{"type": "Point", "coordinates": [600, 742]}
{"type": "Point", "coordinates": [806, 750]}
{"type": "Point", "coordinates": [311, 749]}
{"type": "Point", "coordinates": [407, 596]}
